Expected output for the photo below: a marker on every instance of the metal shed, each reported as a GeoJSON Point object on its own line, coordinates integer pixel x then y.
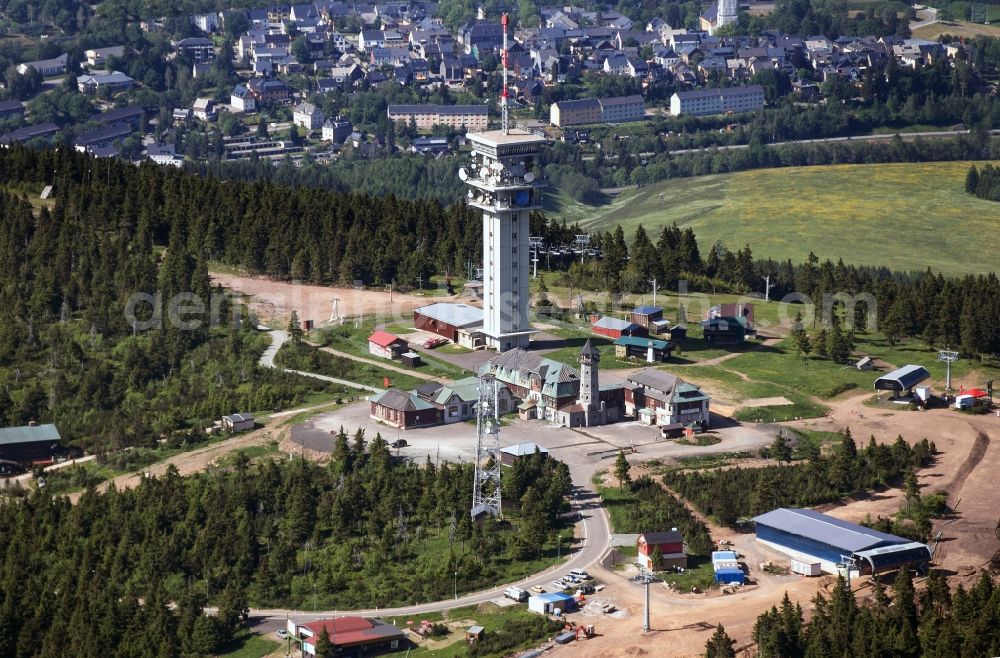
{"type": "Point", "coordinates": [888, 558]}
{"type": "Point", "coordinates": [902, 380]}
{"type": "Point", "coordinates": [810, 536]}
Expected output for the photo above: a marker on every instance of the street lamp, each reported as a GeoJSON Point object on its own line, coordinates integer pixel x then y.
{"type": "Point", "coordinates": [558, 545]}
{"type": "Point", "coordinates": [456, 585]}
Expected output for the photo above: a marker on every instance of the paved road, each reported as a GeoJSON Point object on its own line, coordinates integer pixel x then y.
{"type": "Point", "coordinates": [592, 528]}
{"type": "Point", "coordinates": [585, 452]}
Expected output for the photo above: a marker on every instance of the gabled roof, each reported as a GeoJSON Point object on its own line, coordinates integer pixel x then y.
{"type": "Point", "coordinates": [668, 537]}
{"type": "Point", "coordinates": [401, 401]}
{"type": "Point", "coordinates": [647, 310]}
{"type": "Point", "coordinates": [849, 537]}
{"type": "Point", "coordinates": [639, 341]}
{"type": "Point", "coordinates": [384, 339]}
{"type": "Point", "coordinates": [239, 418]}
{"type": "Point", "coordinates": [524, 449]}
{"type": "Point", "coordinates": [608, 322]}
{"type": "Point", "coordinates": [29, 434]}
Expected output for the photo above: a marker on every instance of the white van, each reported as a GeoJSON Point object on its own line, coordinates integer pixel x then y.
{"type": "Point", "coordinates": [516, 593]}
{"type": "Point", "coordinates": [580, 574]}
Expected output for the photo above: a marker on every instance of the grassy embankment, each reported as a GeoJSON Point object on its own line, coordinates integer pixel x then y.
{"type": "Point", "coordinates": [852, 212]}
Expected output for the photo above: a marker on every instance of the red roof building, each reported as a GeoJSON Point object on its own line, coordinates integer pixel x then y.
{"type": "Point", "coordinates": [350, 636]}
{"type": "Point", "coordinates": [386, 345]}
{"type": "Point", "coordinates": [669, 545]}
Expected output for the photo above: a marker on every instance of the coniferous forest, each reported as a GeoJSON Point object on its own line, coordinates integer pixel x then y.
{"type": "Point", "coordinates": [739, 493]}
{"type": "Point", "coordinates": [899, 622]}
{"type": "Point", "coordinates": [984, 183]}
{"type": "Point", "coordinates": [98, 578]}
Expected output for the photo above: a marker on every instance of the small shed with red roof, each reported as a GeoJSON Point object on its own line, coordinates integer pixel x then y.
{"type": "Point", "coordinates": [350, 636]}
{"type": "Point", "coordinates": [386, 345]}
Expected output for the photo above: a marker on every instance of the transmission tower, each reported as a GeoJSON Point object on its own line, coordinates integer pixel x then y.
{"type": "Point", "coordinates": [486, 487]}
{"type": "Point", "coordinates": [949, 357]}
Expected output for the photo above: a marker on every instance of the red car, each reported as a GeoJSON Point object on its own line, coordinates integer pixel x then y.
{"type": "Point", "coordinates": [431, 343]}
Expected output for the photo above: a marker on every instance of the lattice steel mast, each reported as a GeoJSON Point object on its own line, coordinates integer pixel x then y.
{"type": "Point", "coordinates": [486, 486]}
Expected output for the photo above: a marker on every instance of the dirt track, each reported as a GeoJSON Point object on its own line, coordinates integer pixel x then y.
{"type": "Point", "coordinates": [964, 468]}
{"type": "Point", "coordinates": [275, 300]}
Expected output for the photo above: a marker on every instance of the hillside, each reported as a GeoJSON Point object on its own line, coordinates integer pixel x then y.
{"type": "Point", "coordinates": [903, 216]}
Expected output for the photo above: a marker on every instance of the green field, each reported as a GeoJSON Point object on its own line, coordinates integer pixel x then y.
{"type": "Point", "coordinates": [904, 216]}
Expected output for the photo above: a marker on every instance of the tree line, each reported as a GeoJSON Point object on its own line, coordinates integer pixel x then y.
{"type": "Point", "coordinates": [70, 354]}
{"type": "Point", "coordinates": [984, 183]}
{"type": "Point", "coordinates": [899, 621]}
{"type": "Point", "coordinates": [738, 493]}
{"type": "Point", "coordinates": [129, 572]}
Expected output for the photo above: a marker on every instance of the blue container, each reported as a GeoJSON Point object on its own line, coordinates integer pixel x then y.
{"type": "Point", "coordinates": [727, 576]}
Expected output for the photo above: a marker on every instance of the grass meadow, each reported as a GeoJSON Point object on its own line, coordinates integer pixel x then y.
{"type": "Point", "coordinates": [903, 216]}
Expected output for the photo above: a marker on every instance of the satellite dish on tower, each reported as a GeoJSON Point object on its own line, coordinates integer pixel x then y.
{"type": "Point", "coordinates": [463, 174]}
{"type": "Point", "coordinates": [529, 177]}
{"type": "Point", "coordinates": [484, 173]}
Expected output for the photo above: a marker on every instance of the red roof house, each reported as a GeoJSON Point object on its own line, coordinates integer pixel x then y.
{"type": "Point", "coordinates": [386, 345]}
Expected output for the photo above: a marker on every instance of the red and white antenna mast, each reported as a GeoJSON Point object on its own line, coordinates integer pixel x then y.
{"type": "Point", "coordinates": [503, 96]}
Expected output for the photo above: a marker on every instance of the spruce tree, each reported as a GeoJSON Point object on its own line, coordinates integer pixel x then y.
{"type": "Point", "coordinates": [720, 645]}
{"type": "Point", "coordinates": [622, 470]}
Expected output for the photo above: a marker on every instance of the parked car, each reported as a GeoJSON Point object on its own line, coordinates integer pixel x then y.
{"type": "Point", "coordinates": [282, 633]}
{"type": "Point", "coordinates": [398, 443]}
{"type": "Point", "coordinates": [559, 585]}
{"type": "Point", "coordinates": [537, 589]}
{"type": "Point", "coordinates": [431, 343]}
{"type": "Point", "coordinates": [580, 573]}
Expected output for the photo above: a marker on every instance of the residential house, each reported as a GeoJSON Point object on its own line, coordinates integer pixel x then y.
{"type": "Point", "coordinates": [198, 49]}
{"type": "Point", "coordinates": [47, 67]}
{"type": "Point", "coordinates": [336, 130]}
{"type": "Point", "coordinates": [11, 108]}
{"type": "Point", "coordinates": [96, 83]}
{"type": "Point", "coordinates": [269, 91]}
{"type": "Point", "coordinates": [646, 349]}
{"type": "Point", "coordinates": [481, 36]}
{"type": "Point", "coordinates": [93, 140]}
{"type": "Point", "coordinates": [164, 154]}
{"type": "Point", "coordinates": [203, 109]}
{"type": "Point", "coordinates": [470, 117]}
{"type": "Point", "coordinates": [703, 102]}
{"type": "Point", "coordinates": [241, 100]}
{"type": "Point", "coordinates": [657, 397]}
{"type": "Point", "coordinates": [131, 115]}
{"type": "Point", "coordinates": [576, 112]}
{"type": "Point", "coordinates": [98, 57]}
{"type": "Point", "coordinates": [510, 455]}
{"type": "Point", "coordinates": [429, 145]}
{"type": "Point", "coordinates": [206, 22]}
{"type": "Point", "coordinates": [308, 116]}
{"type": "Point", "coordinates": [28, 133]}
{"type": "Point", "coordinates": [622, 109]}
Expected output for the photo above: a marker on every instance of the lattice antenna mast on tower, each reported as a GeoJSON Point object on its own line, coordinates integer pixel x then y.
{"type": "Point", "coordinates": [486, 486]}
{"type": "Point", "coordinates": [503, 96]}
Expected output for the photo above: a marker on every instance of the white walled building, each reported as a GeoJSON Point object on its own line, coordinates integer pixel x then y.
{"type": "Point", "coordinates": [502, 184]}
{"type": "Point", "coordinates": [702, 102]}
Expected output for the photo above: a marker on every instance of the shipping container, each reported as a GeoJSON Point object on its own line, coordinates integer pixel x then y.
{"type": "Point", "coordinates": [806, 568]}
{"type": "Point", "coordinates": [723, 555]}
{"type": "Point", "coordinates": [730, 576]}
{"type": "Point", "coordinates": [566, 638]}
